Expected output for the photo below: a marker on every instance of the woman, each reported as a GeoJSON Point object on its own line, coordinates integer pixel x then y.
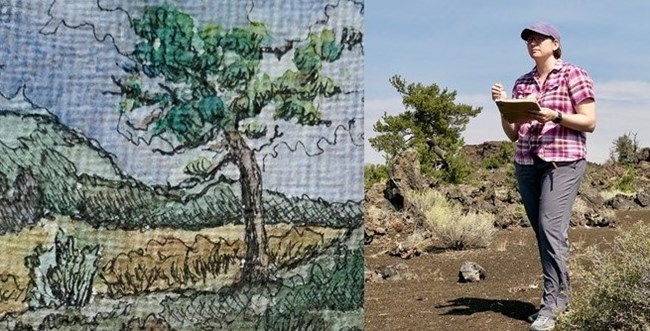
{"type": "Point", "coordinates": [550, 156]}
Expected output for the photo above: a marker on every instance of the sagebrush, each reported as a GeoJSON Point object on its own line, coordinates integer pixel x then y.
{"type": "Point", "coordinates": [447, 222]}
{"type": "Point", "coordinates": [62, 275]}
{"type": "Point", "coordinates": [614, 286]}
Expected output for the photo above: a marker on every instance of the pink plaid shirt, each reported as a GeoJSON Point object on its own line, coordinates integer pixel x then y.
{"type": "Point", "coordinates": [566, 86]}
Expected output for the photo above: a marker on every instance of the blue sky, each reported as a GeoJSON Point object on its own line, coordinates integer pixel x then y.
{"type": "Point", "coordinates": [59, 55]}
{"type": "Point", "coordinates": [466, 46]}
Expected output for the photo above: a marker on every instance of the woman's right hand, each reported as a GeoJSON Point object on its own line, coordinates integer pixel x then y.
{"type": "Point", "coordinates": [498, 92]}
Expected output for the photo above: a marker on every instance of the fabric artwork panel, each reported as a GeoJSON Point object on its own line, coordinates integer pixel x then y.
{"type": "Point", "coordinates": [181, 165]}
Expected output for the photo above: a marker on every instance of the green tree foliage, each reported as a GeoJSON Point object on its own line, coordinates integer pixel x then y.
{"type": "Point", "coordinates": [503, 156]}
{"type": "Point", "coordinates": [431, 124]}
{"type": "Point", "coordinates": [625, 149]}
{"type": "Point", "coordinates": [374, 173]}
{"type": "Point", "coordinates": [202, 87]}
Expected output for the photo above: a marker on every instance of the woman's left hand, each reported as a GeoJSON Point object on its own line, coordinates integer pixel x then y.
{"type": "Point", "coordinates": [543, 116]}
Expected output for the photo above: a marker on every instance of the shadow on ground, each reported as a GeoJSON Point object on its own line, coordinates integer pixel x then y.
{"type": "Point", "coordinates": [515, 309]}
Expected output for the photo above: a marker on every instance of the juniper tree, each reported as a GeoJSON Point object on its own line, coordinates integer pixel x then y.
{"type": "Point", "coordinates": [432, 124]}
{"type": "Point", "coordinates": [206, 89]}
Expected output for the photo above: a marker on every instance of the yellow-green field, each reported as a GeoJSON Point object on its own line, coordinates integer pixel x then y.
{"type": "Point", "coordinates": [203, 260]}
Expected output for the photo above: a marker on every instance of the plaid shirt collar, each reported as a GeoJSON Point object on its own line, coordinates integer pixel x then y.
{"type": "Point", "coordinates": [557, 67]}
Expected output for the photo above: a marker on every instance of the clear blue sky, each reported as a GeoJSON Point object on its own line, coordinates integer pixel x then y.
{"type": "Point", "coordinates": [468, 45]}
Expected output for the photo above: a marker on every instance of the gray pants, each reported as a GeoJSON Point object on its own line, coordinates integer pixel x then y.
{"type": "Point", "coordinates": [548, 191]}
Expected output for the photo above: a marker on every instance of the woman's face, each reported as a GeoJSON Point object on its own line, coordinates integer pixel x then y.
{"type": "Point", "coordinates": [540, 46]}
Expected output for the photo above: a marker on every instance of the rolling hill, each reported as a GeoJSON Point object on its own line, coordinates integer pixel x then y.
{"type": "Point", "coordinates": [77, 178]}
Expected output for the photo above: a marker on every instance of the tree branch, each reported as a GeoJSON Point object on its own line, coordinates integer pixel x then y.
{"type": "Point", "coordinates": [138, 137]}
{"type": "Point", "coordinates": [279, 51]}
{"type": "Point", "coordinates": [211, 173]}
{"type": "Point", "coordinates": [171, 92]}
{"type": "Point", "coordinates": [438, 151]}
{"type": "Point", "coordinates": [276, 134]}
{"type": "Point", "coordinates": [217, 147]}
{"type": "Point", "coordinates": [351, 38]}
{"type": "Point", "coordinates": [119, 84]}
{"type": "Point", "coordinates": [320, 149]}
{"type": "Point", "coordinates": [180, 149]}
{"type": "Point", "coordinates": [221, 179]}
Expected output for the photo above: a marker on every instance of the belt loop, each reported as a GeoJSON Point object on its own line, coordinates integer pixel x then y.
{"type": "Point", "coordinates": [554, 165]}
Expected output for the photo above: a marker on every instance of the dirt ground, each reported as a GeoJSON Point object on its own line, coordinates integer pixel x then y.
{"type": "Point", "coordinates": [428, 297]}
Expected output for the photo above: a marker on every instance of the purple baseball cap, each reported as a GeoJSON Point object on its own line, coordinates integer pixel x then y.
{"type": "Point", "coordinates": [542, 28]}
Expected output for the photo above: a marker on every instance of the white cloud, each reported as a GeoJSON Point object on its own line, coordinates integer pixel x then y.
{"type": "Point", "coordinates": [622, 107]}
{"type": "Point", "coordinates": [628, 91]}
{"type": "Point", "coordinates": [486, 126]}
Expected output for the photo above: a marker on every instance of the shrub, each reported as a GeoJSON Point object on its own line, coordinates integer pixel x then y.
{"type": "Point", "coordinates": [332, 282]}
{"type": "Point", "coordinates": [373, 213]}
{"type": "Point", "coordinates": [298, 303]}
{"type": "Point", "coordinates": [68, 321]}
{"type": "Point", "coordinates": [501, 158]}
{"type": "Point", "coordinates": [625, 182]}
{"type": "Point", "coordinates": [151, 322]}
{"type": "Point", "coordinates": [614, 286]}
{"type": "Point", "coordinates": [23, 206]}
{"type": "Point", "coordinates": [169, 264]}
{"type": "Point", "coordinates": [296, 245]}
{"type": "Point", "coordinates": [446, 221]}
{"type": "Point", "coordinates": [62, 275]}
{"type": "Point", "coordinates": [374, 173]}
{"type": "Point", "coordinates": [272, 320]}
{"type": "Point", "coordinates": [172, 263]}
{"type": "Point", "coordinates": [625, 149]}
{"type": "Point", "coordinates": [10, 289]}
{"type": "Point", "coordinates": [458, 170]}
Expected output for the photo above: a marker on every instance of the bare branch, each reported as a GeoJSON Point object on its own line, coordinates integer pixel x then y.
{"type": "Point", "coordinates": [351, 38]}
{"type": "Point", "coordinates": [136, 139]}
{"type": "Point", "coordinates": [280, 51]}
{"type": "Point", "coordinates": [217, 147]}
{"type": "Point", "coordinates": [148, 120]}
{"type": "Point", "coordinates": [276, 134]}
{"type": "Point", "coordinates": [180, 149]}
{"type": "Point", "coordinates": [119, 84]}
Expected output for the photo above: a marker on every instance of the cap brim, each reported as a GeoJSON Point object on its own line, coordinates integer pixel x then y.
{"type": "Point", "coordinates": [527, 31]}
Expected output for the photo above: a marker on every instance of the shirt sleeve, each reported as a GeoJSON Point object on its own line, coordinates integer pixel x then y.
{"type": "Point", "coordinates": [581, 87]}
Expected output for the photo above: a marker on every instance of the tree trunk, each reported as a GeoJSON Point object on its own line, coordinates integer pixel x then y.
{"type": "Point", "coordinates": [256, 263]}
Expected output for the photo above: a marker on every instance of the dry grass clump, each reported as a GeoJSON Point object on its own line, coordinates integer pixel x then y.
{"type": "Point", "coordinates": [373, 213]}
{"type": "Point", "coordinates": [580, 207]}
{"type": "Point", "coordinates": [606, 195]}
{"type": "Point", "coordinates": [446, 221]}
{"type": "Point", "coordinates": [10, 289]}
